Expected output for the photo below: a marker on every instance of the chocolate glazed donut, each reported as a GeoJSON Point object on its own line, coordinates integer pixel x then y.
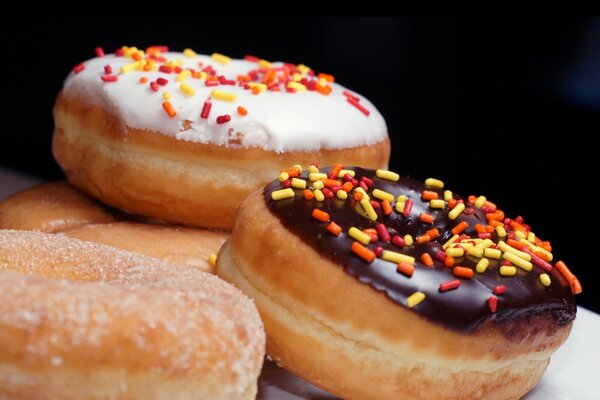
{"type": "Point", "coordinates": [377, 286]}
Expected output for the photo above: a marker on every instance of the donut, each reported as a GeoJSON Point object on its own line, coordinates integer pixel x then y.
{"type": "Point", "coordinates": [83, 320]}
{"type": "Point", "coordinates": [57, 207]}
{"type": "Point", "coordinates": [185, 137]}
{"type": "Point", "coordinates": [376, 286]}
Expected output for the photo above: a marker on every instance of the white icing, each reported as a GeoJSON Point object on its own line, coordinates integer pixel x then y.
{"type": "Point", "coordinates": [276, 121]}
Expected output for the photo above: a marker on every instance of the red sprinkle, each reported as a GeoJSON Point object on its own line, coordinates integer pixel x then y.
{"type": "Point", "coordinates": [493, 303]}
{"type": "Point", "coordinates": [398, 241]}
{"type": "Point", "coordinates": [363, 186]}
{"type": "Point", "coordinates": [162, 81]}
{"type": "Point", "coordinates": [350, 96]}
{"type": "Point", "coordinates": [206, 109]}
{"type": "Point", "coordinates": [360, 107]}
{"type": "Point", "coordinates": [375, 204]}
{"type": "Point", "coordinates": [367, 181]}
{"type": "Point", "coordinates": [107, 69]}
{"type": "Point", "coordinates": [154, 86]}
{"type": "Point", "coordinates": [378, 250]}
{"type": "Point", "coordinates": [383, 233]}
{"type": "Point", "coordinates": [165, 69]}
{"type": "Point", "coordinates": [287, 183]}
{"type": "Point", "coordinates": [451, 285]}
{"type": "Point", "coordinates": [500, 289]}
{"type": "Point", "coordinates": [78, 68]}
{"type": "Point", "coordinates": [109, 78]}
{"type": "Point", "coordinates": [440, 255]}
{"type": "Point", "coordinates": [539, 261]}
{"type": "Point", "coordinates": [99, 52]}
{"type": "Point", "coordinates": [407, 208]}
{"type": "Point", "coordinates": [250, 58]}
{"type": "Point", "coordinates": [222, 119]}
{"type": "Point", "coordinates": [327, 193]}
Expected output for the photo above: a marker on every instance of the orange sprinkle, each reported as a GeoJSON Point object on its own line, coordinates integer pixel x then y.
{"type": "Point", "coordinates": [426, 218]}
{"type": "Point", "coordinates": [423, 239]}
{"type": "Point", "coordinates": [546, 246]}
{"type": "Point", "coordinates": [169, 109]}
{"type": "Point", "coordinates": [449, 261]}
{"type": "Point", "coordinates": [406, 268]}
{"type": "Point", "coordinates": [255, 90]}
{"type": "Point", "coordinates": [370, 231]}
{"type": "Point", "coordinates": [334, 228]}
{"type": "Point", "coordinates": [242, 111]}
{"type": "Point", "coordinates": [429, 195]}
{"type": "Point", "coordinates": [471, 199]}
{"type": "Point", "coordinates": [496, 216]}
{"type": "Point", "coordinates": [347, 187]}
{"type": "Point", "coordinates": [516, 244]}
{"type": "Point", "coordinates": [494, 223]}
{"type": "Point", "coordinates": [517, 226]}
{"type": "Point", "coordinates": [143, 79]}
{"type": "Point", "coordinates": [362, 252]}
{"type": "Point", "coordinates": [358, 196]}
{"type": "Point", "coordinates": [564, 270]}
{"type": "Point", "coordinates": [335, 170]}
{"type": "Point", "coordinates": [320, 215]}
{"type": "Point", "coordinates": [136, 56]}
{"type": "Point", "coordinates": [331, 182]}
{"type": "Point", "coordinates": [489, 229]}
{"type": "Point", "coordinates": [426, 259]}
{"type": "Point", "coordinates": [463, 272]}
{"type": "Point", "coordinates": [460, 228]}
{"type": "Point", "coordinates": [576, 286]}
{"type": "Point", "coordinates": [433, 233]}
{"type": "Point", "coordinates": [293, 172]}
{"type": "Point", "coordinates": [491, 205]}
{"type": "Point", "coordinates": [323, 89]}
{"type": "Point", "coordinates": [452, 203]}
{"type": "Point", "coordinates": [541, 255]}
{"type": "Point", "coordinates": [387, 207]}
{"type": "Point", "coordinates": [308, 194]}
{"type": "Point", "coordinates": [479, 228]}
{"type": "Point", "coordinates": [329, 78]}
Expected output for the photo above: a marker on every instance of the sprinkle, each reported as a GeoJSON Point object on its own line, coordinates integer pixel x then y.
{"type": "Point", "coordinates": [319, 196]}
{"type": "Point", "coordinates": [296, 85]}
{"type": "Point", "coordinates": [398, 241]}
{"type": "Point", "coordinates": [316, 176]}
{"type": "Point", "coordinates": [492, 253]}
{"type": "Point", "coordinates": [359, 235]}
{"type": "Point", "coordinates": [405, 268]}
{"type": "Point", "coordinates": [223, 95]}
{"type": "Point", "coordinates": [545, 279]}
{"type": "Point", "coordinates": [206, 109]}
{"type": "Point", "coordinates": [78, 68]}
{"type": "Point", "coordinates": [109, 78]}
{"type": "Point", "coordinates": [450, 241]}
{"type": "Point", "coordinates": [388, 175]}
{"type": "Point", "coordinates": [437, 204]}
{"type": "Point", "coordinates": [576, 286]}
{"type": "Point", "coordinates": [328, 193]}
{"type": "Point", "coordinates": [407, 208]}
{"type": "Point", "coordinates": [400, 205]}
{"type": "Point", "coordinates": [189, 53]}
{"type": "Point", "coordinates": [345, 172]}
{"type": "Point", "coordinates": [429, 195]}
{"type": "Point", "coordinates": [242, 111]}
{"type": "Point", "coordinates": [423, 239]}
{"type": "Point", "coordinates": [508, 249]}
{"type": "Point", "coordinates": [359, 106]}
{"type": "Point", "coordinates": [426, 218]}
{"type": "Point", "coordinates": [334, 228]}
{"type": "Point", "coordinates": [449, 261]}
{"type": "Point", "coordinates": [363, 252]}
{"type": "Point", "coordinates": [480, 201]}
{"type": "Point", "coordinates": [369, 210]}
{"type": "Point", "coordinates": [414, 299]}
{"type": "Point", "coordinates": [397, 257]}
{"type": "Point", "coordinates": [107, 69]}
{"type": "Point", "coordinates": [531, 237]}
{"type": "Point", "coordinates": [283, 176]}
{"type": "Point", "coordinates": [463, 272]}
{"type": "Point", "coordinates": [493, 303]}
{"type": "Point", "coordinates": [408, 239]}
{"type": "Point", "coordinates": [382, 195]}
{"type": "Point", "coordinates": [250, 58]}
{"type": "Point", "coordinates": [448, 195]}
{"type": "Point", "coordinates": [298, 183]}
{"type": "Point", "coordinates": [183, 75]}
{"type": "Point", "coordinates": [475, 252]}
{"type": "Point", "coordinates": [456, 211]}
{"type": "Point", "coordinates": [500, 231]}
{"type": "Point", "coordinates": [154, 86]}
{"type": "Point", "coordinates": [455, 252]}
{"type": "Point", "coordinates": [165, 69]}
{"type": "Point", "coordinates": [518, 261]}
{"type": "Point", "coordinates": [451, 285]}
{"type": "Point", "coordinates": [434, 183]}
{"type": "Point", "coordinates": [168, 107]}
{"type": "Point", "coordinates": [564, 270]}
{"type": "Point", "coordinates": [166, 95]}
{"type": "Point", "coordinates": [187, 89]}
{"type": "Point", "coordinates": [539, 261]}
{"type": "Point", "coordinates": [318, 184]}
{"type": "Point", "coordinates": [222, 119]}
{"type": "Point", "coordinates": [212, 259]}
{"type": "Point", "coordinates": [341, 194]}
{"type": "Point", "coordinates": [500, 289]}
{"type": "Point", "coordinates": [506, 270]}
{"type": "Point", "coordinates": [426, 259]}
{"type": "Point", "coordinates": [320, 215]}
{"type": "Point", "coordinates": [282, 194]}
{"type": "Point", "coordinates": [220, 58]}
{"type": "Point", "coordinates": [482, 265]}
{"type": "Point", "coordinates": [143, 79]}
{"type": "Point", "coordinates": [99, 52]}
{"type": "Point", "coordinates": [308, 194]}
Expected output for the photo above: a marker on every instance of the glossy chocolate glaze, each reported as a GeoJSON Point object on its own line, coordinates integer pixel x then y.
{"type": "Point", "coordinates": [463, 309]}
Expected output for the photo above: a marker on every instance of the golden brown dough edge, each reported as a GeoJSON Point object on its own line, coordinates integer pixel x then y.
{"type": "Point", "coordinates": [349, 339]}
{"type": "Point", "coordinates": [155, 175]}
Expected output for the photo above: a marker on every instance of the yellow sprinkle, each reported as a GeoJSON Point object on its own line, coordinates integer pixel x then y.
{"type": "Point", "coordinates": [508, 249]}
{"type": "Point", "coordinates": [518, 261]}
{"type": "Point", "coordinates": [183, 75]}
{"type": "Point", "coordinates": [189, 53]}
{"type": "Point", "coordinates": [500, 231]}
{"type": "Point", "coordinates": [536, 248]}
{"type": "Point", "coordinates": [448, 195]}
{"type": "Point", "coordinates": [359, 235]}
{"type": "Point", "coordinates": [298, 183]}
{"type": "Point", "coordinates": [319, 196]}
{"type": "Point", "coordinates": [467, 245]}
{"type": "Point", "coordinates": [437, 203]}
{"type": "Point", "coordinates": [482, 265]}
{"type": "Point", "coordinates": [388, 175]}
{"type": "Point", "coordinates": [520, 234]}
{"type": "Point", "coordinates": [341, 194]}
{"type": "Point", "coordinates": [220, 58]}
{"type": "Point", "coordinates": [166, 95]}
{"type": "Point", "coordinates": [212, 259]}
{"type": "Point", "coordinates": [531, 237]}
{"type": "Point", "coordinates": [456, 211]}
{"type": "Point", "coordinates": [264, 64]}
{"type": "Point", "coordinates": [223, 95]}
{"type": "Point", "coordinates": [297, 166]}
{"type": "Point", "coordinates": [203, 75]}
{"type": "Point", "coordinates": [475, 252]}
{"type": "Point", "coordinates": [492, 253]}
{"type": "Point", "coordinates": [382, 195]}
{"type": "Point", "coordinates": [282, 194]}
{"type": "Point", "coordinates": [313, 169]}
{"type": "Point", "coordinates": [187, 89]}
{"type": "Point", "coordinates": [315, 176]}
{"type": "Point", "coordinates": [179, 62]}
{"type": "Point", "coordinates": [545, 279]}
{"type": "Point", "coordinates": [396, 257]}
{"type": "Point", "coordinates": [400, 206]}
{"type": "Point", "coordinates": [366, 205]}
{"type": "Point", "coordinates": [414, 299]}
{"type": "Point", "coordinates": [480, 201]}
{"type": "Point", "coordinates": [129, 67]}
{"type": "Point", "coordinates": [507, 270]}
{"type": "Point", "coordinates": [402, 197]}
{"type": "Point", "coordinates": [260, 86]}
{"type": "Point", "coordinates": [297, 76]}
{"type": "Point", "coordinates": [322, 81]}
{"type": "Point", "coordinates": [318, 184]}
{"type": "Point", "coordinates": [296, 85]}
{"type": "Point", "coordinates": [303, 69]}
{"type": "Point", "coordinates": [283, 176]}
{"type": "Point", "coordinates": [455, 252]}
{"type": "Point", "coordinates": [346, 171]}
{"type": "Point", "coordinates": [484, 244]}
{"type": "Point", "coordinates": [434, 183]}
{"type": "Point", "coordinates": [362, 191]}
{"type": "Point", "coordinates": [450, 241]}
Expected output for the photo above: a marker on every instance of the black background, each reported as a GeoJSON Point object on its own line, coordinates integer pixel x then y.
{"type": "Point", "coordinates": [480, 104]}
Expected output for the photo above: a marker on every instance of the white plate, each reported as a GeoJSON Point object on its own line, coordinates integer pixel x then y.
{"type": "Point", "coordinates": [572, 373]}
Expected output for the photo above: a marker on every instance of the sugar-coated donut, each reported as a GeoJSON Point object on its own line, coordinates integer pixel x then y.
{"type": "Point", "coordinates": [186, 137]}
{"type": "Point", "coordinates": [374, 286]}
{"type": "Point", "coordinates": [80, 320]}
{"type": "Point", "coordinates": [57, 207]}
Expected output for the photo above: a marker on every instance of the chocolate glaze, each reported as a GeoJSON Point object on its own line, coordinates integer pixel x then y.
{"type": "Point", "coordinates": [463, 309]}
